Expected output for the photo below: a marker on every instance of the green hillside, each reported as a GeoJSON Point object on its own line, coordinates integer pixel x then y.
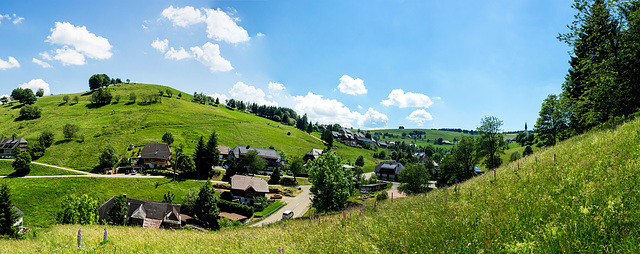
{"type": "Point", "coordinates": [577, 197]}
{"type": "Point", "coordinates": [425, 140]}
{"type": "Point", "coordinates": [124, 123]}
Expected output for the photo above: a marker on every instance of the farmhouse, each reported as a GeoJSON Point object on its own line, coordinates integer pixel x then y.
{"type": "Point", "coordinates": [271, 156]}
{"type": "Point", "coordinates": [248, 186]}
{"type": "Point", "coordinates": [388, 170]}
{"type": "Point", "coordinates": [9, 147]}
{"type": "Point", "coordinates": [312, 155]}
{"type": "Point", "coordinates": [224, 152]}
{"type": "Point", "coordinates": [155, 154]}
{"type": "Point", "coordinates": [145, 213]}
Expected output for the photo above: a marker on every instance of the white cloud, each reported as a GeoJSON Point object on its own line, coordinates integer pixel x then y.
{"type": "Point", "coordinates": [69, 57]}
{"type": "Point", "coordinates": [77, 40]}
{"type": "Point", "coordinates": [46, 56]}
{"type": "Point", "coordinates": [160, 45]}
{"type": "Point", "coordinates": [398, 98]}
{"type": "Point", "coordinates": [36, 84]}
{"type": "Point", "coordinates": [10, 63]}
{"type": "Point", "coordinates": [325, 110]}
{"type": "Point", "coordinates": [359, 107]}
{"type": "Point", "coordinates": [41, 63]}
{"type": "Point", "coordinates": [177, 54]}
{"type": "Point", "coordinates": [260, 34]}
{"type": "Point", "coordinates": [373, 119]}
{"type": "Point", "coordinates": [351, 86]}
{"type": "Point", "coordinates": [209, 55]}
{"type": "Point", "coordinates": [221, 27]}
{"type": "Point", "coordinates": [276, 86]}
{"type": "Point", "coordinates": [419, 116]}
{"type": "Point", "coordinates": [18, 20]}
{"type": "Point", "coordinates": [221, 97]}
{"type": "Point", "coordinates": [183, 17]}
{"type": "Point", "coordinates": [243, 92]}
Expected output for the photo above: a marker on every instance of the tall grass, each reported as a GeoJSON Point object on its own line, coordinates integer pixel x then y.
{"type": "Point", "coordinates": [579, 196]}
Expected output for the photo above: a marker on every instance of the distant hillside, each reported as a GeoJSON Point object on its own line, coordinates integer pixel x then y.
{"type": "Point", "coordinates": [124, 123]}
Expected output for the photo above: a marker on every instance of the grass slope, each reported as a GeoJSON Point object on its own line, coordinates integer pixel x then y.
{"type": "Point", "coordinates": [6, 169]}
{"type": "Point", "coordinates": [124, 123]}
{"type": "Point", "coordinates": [579, 196]}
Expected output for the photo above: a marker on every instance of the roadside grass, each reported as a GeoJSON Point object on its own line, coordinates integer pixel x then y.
{"type": "Point", "coordinates": [124, 123]}
{"type": "Point", "coordinates": [40, 198]}
{"type": "Point", "coordinates": [6, 169]}
{"type": "Point", "coordinates": [272, 207]}
{"type": "Point", "coordinates": [578, 197]}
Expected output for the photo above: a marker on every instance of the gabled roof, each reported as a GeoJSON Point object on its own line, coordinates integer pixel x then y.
{"type": "Point", "coordinates": [262, 152]}
{"type": "Point", "coordinates": [148, 211]}
{"type": "Point", "coordinates": [156, 151]}
{"type": "Point", "coordinates": [224, 150]}
{"type": "Point", "coordinates": [11, 143]}
{"type": "Point", "coordinates": [242, 182]}
{"type": "Point", "coordinates": [315, 152]}
{"type": "Point", "coordinates": [389, 167]}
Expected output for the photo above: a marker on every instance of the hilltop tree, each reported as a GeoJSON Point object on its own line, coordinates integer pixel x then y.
{"type": "Point", "coordinates": [332, 183]}
{"type": "Point", "coordinates": [40, 92]}
{"type": "Point", "coordinates": [491, 141]}
{"type": "Point", "coordinates": [118, 81]}
{"type": "Point", "coordinates": [98, 80]}
{"type": "Point", "coordinates": [25, 96]}
{"type": "Point", "coordinates": [66, 99]}
{"type": "Point", "coordinates": [8, 214]}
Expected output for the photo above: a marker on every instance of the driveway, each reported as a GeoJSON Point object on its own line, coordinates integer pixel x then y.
{"type": "Point", "coordinates": [299, 205]}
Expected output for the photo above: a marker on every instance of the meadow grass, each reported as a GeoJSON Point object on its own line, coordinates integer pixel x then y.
{"type": "Point", "coordinates": [6, 169]}
{"type": "Point", "coordinates": [579, 196]}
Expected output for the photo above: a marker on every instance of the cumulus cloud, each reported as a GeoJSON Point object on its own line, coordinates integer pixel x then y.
{"type": "Point", "coordinates": [160, 45]}
{"type": "Point", "coordinates": [244, 92]}
{"type": "Point", "coordinates": [77, 40]}
{"type": "Point", "coordinates": [209, 55]}
{"type": "Point", "coordinates": [325, 110]}
{"type": "Point", "coordinates": [220, 25]}
{"type": "Point", "coordinates": [16, 19]}
{"type": "Point", "coordinates": [69, 56]}
{"type": "Point", "coordinates": [36, 84]}
{"type": "Point", "coordinates": [351, 86]}
{"type": "Point", "coordinates": [41, 63]}
{"type": "Point", "coordinates": [221, 97]}
{"type": "Point", "coordinates": [373, 119]}
{"type": "Point", "coordinates": [183, 17]}
{"type": "Point", "coordinates": [10, 63]}
{"type": "Point", "coordinates": [179, 54]}
{"type": "Point", "coordinates": [276, 86]}
{"type": "Point", "coordinates": [399, 98]}
{"type": "Point", "coordinates": [419, 116]}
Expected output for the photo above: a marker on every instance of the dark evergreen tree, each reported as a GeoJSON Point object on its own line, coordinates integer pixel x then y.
{"type": "Point", "coordinates": [118, 213]}
{"type": "Point", "coordinates": [206, 207]}
{"type": "Point", "coordinates": [8, 214]}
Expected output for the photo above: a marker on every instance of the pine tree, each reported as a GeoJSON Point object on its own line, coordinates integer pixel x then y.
{"type": "Point", "coordinates": [8, 215]}
{"type": "Point", "coordinates": [202, 167]}
{"type": "Point", "coordinates": [206, 207]}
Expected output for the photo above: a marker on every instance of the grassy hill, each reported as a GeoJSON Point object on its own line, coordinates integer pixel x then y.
{"type": "Point", "coordinates": [426, 139]}
{"type": "Point", "coordinates": [579, 196]}
{"type": "Point", "coordinates": [124, 123]}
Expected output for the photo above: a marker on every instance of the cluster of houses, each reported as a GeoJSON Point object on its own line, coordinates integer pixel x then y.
{"type": "Point", "coordinates": [352, 138]}
{"type": "Point", "coordinates": [10, 146]}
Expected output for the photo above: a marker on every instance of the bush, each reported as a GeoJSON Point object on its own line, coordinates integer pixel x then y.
{"type": "Point", "coordinates": [101, 96]}
{"type": "Point", "coordinates": [226, 196]}
{"type": "Point", "coordinates": [515, 156]}
{"type": "Point", "coordinates": [78, 210]}
{"type": "Point", "coordinates": [29, 112]}
{"type": "Point", "coordinates": [260, 203]}
{"type": "Point", "coordinates": [224, 222]}
{"type": "Point", "coordinates": [231, 207]}
{"type": "Point", "coordinates": [382, 196]}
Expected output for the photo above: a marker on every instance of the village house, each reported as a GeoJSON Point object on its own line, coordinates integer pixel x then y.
{"type": "Point", "coordinates": [388, 170]}
{"type": "Point", "coordinates": [247, 187]}
{"type": "Point", "coordinates": [9, 147]}
{"type": "Point", "coordinates": [312, 155]}
{"type": "Point", "coordinates": [145, 213]}
{"type": "Point", "coordinates": [224, 152]}
{"type": "Point", "coordinates": [155, 155]}
{"type": "Point", "coordinates": [272, 157]}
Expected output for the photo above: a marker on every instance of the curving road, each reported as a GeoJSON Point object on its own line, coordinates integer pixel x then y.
{"type": "Point", "coordinates": [299, 205]}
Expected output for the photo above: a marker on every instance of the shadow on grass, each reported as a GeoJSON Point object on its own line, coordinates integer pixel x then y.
{"type": "Point", "coordinates": [62, 103]}
{"type": "Point", "coordinates": [19, 173]}
{"type": "Point", "coordinates": [64, 141]}
{"type": "Point", "coordinates": [20, 105]}
{"type": "Point", "coordinates": [95, 105]}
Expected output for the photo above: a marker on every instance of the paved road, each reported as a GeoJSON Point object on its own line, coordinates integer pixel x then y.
{"type": "Point", "coordinates": [299, 205]}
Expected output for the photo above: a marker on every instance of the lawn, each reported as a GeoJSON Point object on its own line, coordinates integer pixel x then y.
{"type": "Point", "coordinates": [36, 170]}
{"type": "Point", "coordinates": [271, 208]}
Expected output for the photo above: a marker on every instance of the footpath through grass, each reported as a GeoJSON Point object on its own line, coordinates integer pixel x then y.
{"type": "Point", "coordinates": [577, 197]}
{"type": "Point", "coordinates": [6, 169]}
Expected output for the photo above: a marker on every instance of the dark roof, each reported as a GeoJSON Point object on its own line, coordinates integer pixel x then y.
{"type": "Point", "coordinates": [389, 167]}
{"type": "Point", "coordinates": [11, 143]}
{"type": "Point", "coordinates": [156, 151]}
{"type": "Point", "coordinates": [145, 210]}
{"type": "Point", "coordinates": [262, 152]}
{"type": "Point", "coordinates": [242, 182]}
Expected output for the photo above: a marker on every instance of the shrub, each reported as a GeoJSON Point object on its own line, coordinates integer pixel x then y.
{"type": "Point", "coordinates": [29, 112]}
{"type": "Point", "coordinates": [260, 203]}
{"type": "Point", "coordinates": [382, 196]}
{"type": "Point", "coordinates": [231, 207]}
{"type": "Point", "coordinates": [78, 210]}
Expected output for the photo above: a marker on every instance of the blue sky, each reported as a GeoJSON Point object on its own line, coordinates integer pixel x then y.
{"type": "Point", "coordinates": [366, 64]}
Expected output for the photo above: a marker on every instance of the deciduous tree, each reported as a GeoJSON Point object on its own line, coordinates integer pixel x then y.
{"type": "Point", "coordinates": [415, 178]}
{"type": "Point", "coordinates": [117, 214]}
{"type": "Point", "coordinates": [491, 141]}
{"type": "Point", "coordinates": [332, 183]}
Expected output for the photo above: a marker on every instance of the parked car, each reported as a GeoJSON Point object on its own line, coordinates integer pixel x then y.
{"type": "Point", "coordinates": [276, 196]}
{"type": "Point", "coordinates": [288, 214]}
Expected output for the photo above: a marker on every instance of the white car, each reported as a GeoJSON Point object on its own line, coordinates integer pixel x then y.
{"type": "Point", "coordinates": [288, 214]}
